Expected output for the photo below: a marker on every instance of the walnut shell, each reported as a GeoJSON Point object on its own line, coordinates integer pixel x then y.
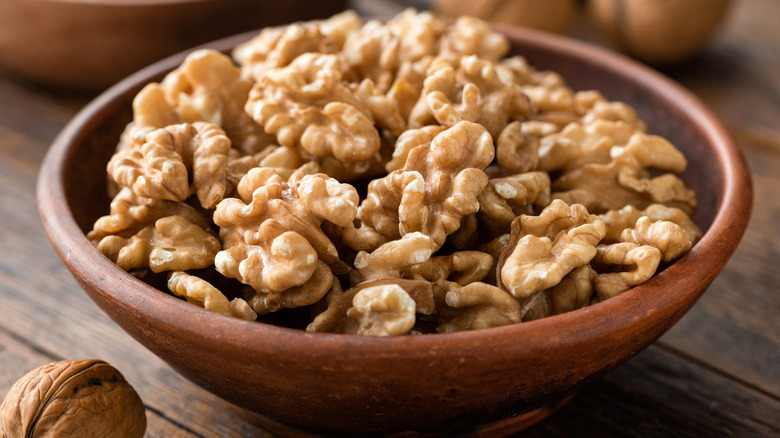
{"type": "Point", "coordinates": [550, 15]}
{"type": "Point", "coordinates": [72, 398]}
{"type": "Point", "coordinates": [659, 31]}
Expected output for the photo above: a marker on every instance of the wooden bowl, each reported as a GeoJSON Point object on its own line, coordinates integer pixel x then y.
{"type": "Point", "coordinates": [348, 383]}
{"type": "Point", "coordinates": [91, 44]}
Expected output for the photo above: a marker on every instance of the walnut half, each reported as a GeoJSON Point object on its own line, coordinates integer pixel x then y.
{"type": "Point", "coordinates": [72, 398]}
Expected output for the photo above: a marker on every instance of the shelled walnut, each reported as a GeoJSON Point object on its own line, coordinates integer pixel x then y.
{"type": "Point", "coordinates": [72, 398]}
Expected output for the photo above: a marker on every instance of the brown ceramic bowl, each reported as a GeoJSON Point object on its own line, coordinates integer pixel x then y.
{"type": "Point", "coordinates": [91, 44]}
{"type": "Point", "coordinates": [368, 384]}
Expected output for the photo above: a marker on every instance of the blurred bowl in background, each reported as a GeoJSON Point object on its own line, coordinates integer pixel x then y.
{"type": "Point", "coordinates": [91, 44]}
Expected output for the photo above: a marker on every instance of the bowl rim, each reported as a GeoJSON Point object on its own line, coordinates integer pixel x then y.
{"type": "Point", "coordinates": [723, 235]}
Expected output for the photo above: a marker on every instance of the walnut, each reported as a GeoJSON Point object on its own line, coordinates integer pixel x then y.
{"type": "Point", "coordinates": [537, 306]}
{"type": "Point", "coordinates": [201, 293]}
{"type": "Point", "coordinates": [130, 213]}
{"type": "Point", "coordinates": [334, 318]}
{"type": "Point", "coordinates": [384, 109]}
{"type": "Point", "coordinates": [506, 198]}
{"type": "Point", "coordinates": [207, 87]}
{"type": "Point", "coordinates": [471, 90]}
{"type": "Point", "coordinates": [272, 236]}
{"type": "Point", "coordinates": [473, 306]}
{"type": "Point", "coordinates": [381, 52]}
{"type": "Point", "coordinates": [278, 46]}
{"type": "Point", "coordinates": [409, 140]}
{"type": "Point", "coordinates": [472, 36]}
{"type": "Point", "coordinates": [385, 310]}
{"type": "Point", "coordinates": [437, 186]}
{"type": "Point", "coordinates": [627, 217]}
{"type": "Point", "coordinates": [462, 267]}
{"type": "Point", "coordinates": [164, 165]}
{"type": "Point", "coordinates": [574, 291]}
{"type": "Point", "coordinates": [622, 266]}
{"type": "Point", "coordinates": [307, 105]}
{"type": "Point", "coordinates": [579, 144]}
{"type": "Point", "coordinates": [315, 287]}
{"type": "Point", "coordinates": [73, 398]}
{"type": "Point", "coordinates": [544, 248]}
{"type": "Point", "coordinates": [626, 178]}
{"type": "Point", "coordinates": [172, 244]}
{"type": "Point", "coordinates": [516, 150]}
{"type": "Point", "coordinates": [394, 257]}
{"type": "Point", "coordinates": [671, 239]}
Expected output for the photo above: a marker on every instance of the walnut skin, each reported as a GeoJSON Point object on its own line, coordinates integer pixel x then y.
{"type": "Point", "coordinates": [72, 398]}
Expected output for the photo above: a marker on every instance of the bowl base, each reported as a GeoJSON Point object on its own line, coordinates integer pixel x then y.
{"type": "Point", "coordinates": [500, 428]}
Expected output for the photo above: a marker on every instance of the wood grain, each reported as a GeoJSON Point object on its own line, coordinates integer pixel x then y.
{"type": "Point", "coordinates": [714, 374]}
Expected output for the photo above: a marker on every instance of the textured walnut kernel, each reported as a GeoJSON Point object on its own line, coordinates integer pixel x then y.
{"type": "Point", "coordinates": [437, 186]}
{"type": "Point", "coordinates": [385, 310]}
{"type": "Point", "coordinates": [626, 180]}
{"type": "Point", "coordinates": [548, 247]}
{"type": "Point", "coordinates": [624, 265]}
{"type": "Point", "coordinates": [474, 306]}
{"type": "Point", "coordinates": [469, 90]}
{"type": "Point", "coordinates": [207, 87]}
{"type": "Point", "coordinates": [172, 244]}
{"type": "Point", "coordinates": [506, 198]}
{"type": "Point", "coordinates": [72, 398]}
{"type": "Point", "coordinates": [307, 105]}
{"type": "Point", "coordinates": [201, 293]}
{"type": "Point", "coordinates": [170, 158]}
{"type": "Point", "coordinates": [130, 213]}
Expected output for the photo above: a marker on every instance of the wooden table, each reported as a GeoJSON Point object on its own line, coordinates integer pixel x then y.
{"type": "Point", "coordinates": [716, 373]}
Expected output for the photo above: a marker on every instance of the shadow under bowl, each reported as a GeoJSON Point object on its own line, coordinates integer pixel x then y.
{"type": "Point", "coordinates": [359, 384]}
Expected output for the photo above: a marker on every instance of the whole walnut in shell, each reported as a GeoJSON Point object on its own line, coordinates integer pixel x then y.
{"type": "Point", "coordinates": [72, 398]}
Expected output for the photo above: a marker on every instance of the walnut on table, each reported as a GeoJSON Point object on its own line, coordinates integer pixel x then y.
{"type": "Point", "coordinates": [72, 398]}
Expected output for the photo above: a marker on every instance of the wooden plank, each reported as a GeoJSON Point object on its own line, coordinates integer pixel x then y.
{"type": "Point", "coordinates": [659, 394]}
{"type": "Point", "coordinates": [18, 358]}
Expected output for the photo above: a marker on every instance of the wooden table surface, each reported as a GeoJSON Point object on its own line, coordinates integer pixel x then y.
{"type": "Point", "coordinates": [716, 373]}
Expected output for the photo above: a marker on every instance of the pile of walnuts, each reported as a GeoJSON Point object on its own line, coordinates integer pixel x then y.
{"type": "Point", "coordinates": [389, 178]}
